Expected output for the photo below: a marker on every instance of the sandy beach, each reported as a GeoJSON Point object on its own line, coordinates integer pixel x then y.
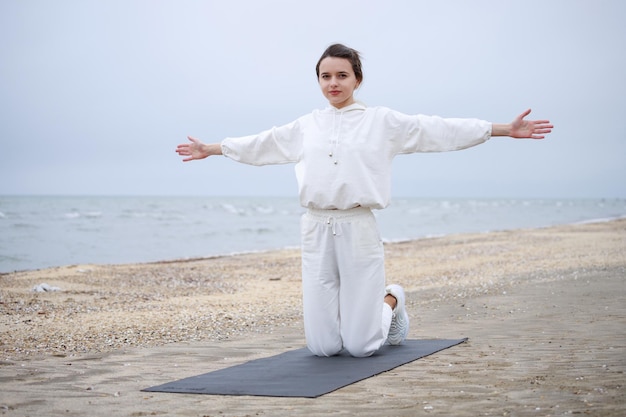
{"type": "Point", "coordinates": [544, 311]}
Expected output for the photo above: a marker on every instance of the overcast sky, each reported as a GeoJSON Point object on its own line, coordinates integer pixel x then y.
{"type": "Point", "coordinates": [95, 95]}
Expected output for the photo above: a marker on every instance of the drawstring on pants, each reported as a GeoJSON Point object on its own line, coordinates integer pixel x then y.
{"type": "Point", "coordinates": [334, 218]}
{"type": "Point", "coordinates": [333, 224]}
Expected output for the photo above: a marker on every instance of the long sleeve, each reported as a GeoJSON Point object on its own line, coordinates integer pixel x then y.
{"type": "Point", "coordinates": [278, 145]}
{"type": "Point", "coordinates": [419, 133]}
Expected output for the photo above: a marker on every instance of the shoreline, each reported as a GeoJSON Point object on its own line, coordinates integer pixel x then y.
{"type": "Point", "coordinates": [386, 242]}
{"type": "Point", "coordinates": [101, 230]}
{"type": "Point", "coordinates": [542, 308]}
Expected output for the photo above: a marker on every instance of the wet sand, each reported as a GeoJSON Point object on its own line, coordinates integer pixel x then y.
{"type": "Point", "coordinates": [544, 311]}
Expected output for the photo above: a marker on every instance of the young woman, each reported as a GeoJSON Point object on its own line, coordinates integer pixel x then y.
{"type": "Point", "coordinates": [343, 156]}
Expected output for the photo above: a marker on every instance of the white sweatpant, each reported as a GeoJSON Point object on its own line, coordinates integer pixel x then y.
{"type": "Point", "coordinates": [343, 281]}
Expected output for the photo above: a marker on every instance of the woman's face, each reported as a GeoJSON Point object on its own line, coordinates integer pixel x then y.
{"type": "Point", "coordinates": [337, 81]}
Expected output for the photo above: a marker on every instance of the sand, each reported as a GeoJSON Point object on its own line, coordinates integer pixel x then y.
{"type": "Point", "coordinates": [544, 311]}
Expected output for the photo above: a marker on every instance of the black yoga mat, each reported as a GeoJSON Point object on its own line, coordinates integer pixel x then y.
{"type": "Point", "coordinates": [298, 373]}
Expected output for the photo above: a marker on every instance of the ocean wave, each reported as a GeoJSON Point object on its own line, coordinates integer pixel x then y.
{"type": "Point", "coordinates": [22, 225]}
{"type": "Point", "coordinates": [602, 219]}
{"type": "Point", "coordinates": [229, 208]}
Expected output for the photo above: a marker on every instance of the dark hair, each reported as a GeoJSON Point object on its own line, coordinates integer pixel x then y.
{"type": "Point", "coordinates": [338, 50]}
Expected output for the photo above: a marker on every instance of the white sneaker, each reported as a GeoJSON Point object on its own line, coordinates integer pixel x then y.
{"type": "Point", "coordinates": [400, 320]}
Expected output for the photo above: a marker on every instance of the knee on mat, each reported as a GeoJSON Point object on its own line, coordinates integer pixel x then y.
{"type": "Point", "coordinates": [324, 350]}
{"type": "Point", "coordinates": [359, 351]}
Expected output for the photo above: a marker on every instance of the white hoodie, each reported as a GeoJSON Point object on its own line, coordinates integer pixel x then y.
{"type": "Point", "coordinates": [343, 156]}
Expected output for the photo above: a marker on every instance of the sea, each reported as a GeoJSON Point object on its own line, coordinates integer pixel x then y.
{"type": "Point", "coordinates": [48, 231]}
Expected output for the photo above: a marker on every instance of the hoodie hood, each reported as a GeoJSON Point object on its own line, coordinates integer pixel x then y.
{"type": "Point", "coordinates": [356, 106]}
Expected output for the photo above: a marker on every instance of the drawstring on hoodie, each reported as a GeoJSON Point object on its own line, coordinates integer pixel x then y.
{"type": "Point", "coordinates": [335, 137]}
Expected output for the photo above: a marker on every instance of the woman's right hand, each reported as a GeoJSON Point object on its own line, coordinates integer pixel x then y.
{"type": "Point", "coordinates": [197, 150]}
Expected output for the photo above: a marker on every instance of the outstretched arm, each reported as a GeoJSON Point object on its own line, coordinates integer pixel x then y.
{"type": "Point", "coordinates": [520, 128]}
{"type": "Point", "coordinates": [197, 149]}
